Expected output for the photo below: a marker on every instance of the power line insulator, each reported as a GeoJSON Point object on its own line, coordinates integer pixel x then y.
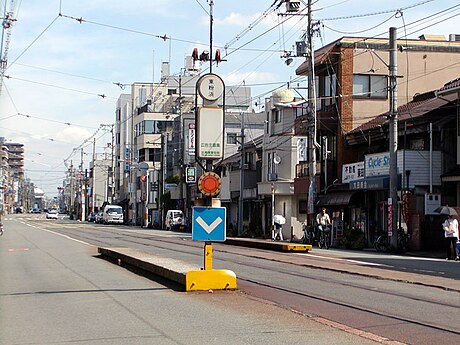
{"type": "Point", "coordinates": [195, 54]}
{"type": "Point", "coordinates": [218, 58]}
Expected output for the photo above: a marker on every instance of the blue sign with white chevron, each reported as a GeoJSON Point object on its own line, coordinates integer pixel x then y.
{"type": "Point", "coordinates": [209, 224]}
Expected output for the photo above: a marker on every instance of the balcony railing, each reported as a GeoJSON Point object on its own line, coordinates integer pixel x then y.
{"type": "Point", "coordinates": [302, 170]}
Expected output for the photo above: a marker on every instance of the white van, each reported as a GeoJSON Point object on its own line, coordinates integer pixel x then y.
{"type": "Point", "coordinates": [112, 214]}
{"type": "Point", "coordinates": [174, 220]}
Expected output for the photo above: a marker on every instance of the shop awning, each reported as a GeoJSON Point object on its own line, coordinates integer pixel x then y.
{"type": "Point", "coordinates": [336, 198]}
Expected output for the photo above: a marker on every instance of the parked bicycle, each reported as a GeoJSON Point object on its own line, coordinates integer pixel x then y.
{"type": "Point", "coordinates": [308, 234]}
{"type": "Point", "coordinates": [382, 242]}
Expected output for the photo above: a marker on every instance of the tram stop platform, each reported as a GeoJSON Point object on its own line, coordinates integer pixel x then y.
{"type": "Point", "coordinates": [191, 277]}
{"type": "Point", "coordinates": [279, 246]}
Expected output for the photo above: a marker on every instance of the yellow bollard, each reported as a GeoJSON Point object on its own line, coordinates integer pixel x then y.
{"type": "Point", "coordinates": [207, 256]}
{"type": "Point", "coordinates": [209, 279]}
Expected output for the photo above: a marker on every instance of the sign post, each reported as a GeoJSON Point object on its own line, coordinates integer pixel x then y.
{"type": "Point", "coordinates": [209, 224]}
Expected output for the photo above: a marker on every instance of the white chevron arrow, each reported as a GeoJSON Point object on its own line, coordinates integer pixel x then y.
{"type": "Point", "coordinates": [209, 227]}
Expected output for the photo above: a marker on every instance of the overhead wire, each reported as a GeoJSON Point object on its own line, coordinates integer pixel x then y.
{"type": "Point", "coordinates": [119, 84]}
{"type": "Point", "coordinates": [102, 95]}
{"type": "Point", "coordinates": [31, 44]}
{"type": "Point", "coordinates": [275, 89]}
{"type": "Point", "coordinates": [361, 15]}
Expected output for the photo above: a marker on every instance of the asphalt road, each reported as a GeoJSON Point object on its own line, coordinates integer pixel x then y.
{"type": "Point", "coordinates": [379, 309]}
{"type": "Point", "coordinates": [55, 290]}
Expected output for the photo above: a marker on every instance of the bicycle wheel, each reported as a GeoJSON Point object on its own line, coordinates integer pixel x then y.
{"type": "Point", "coordinates": [382, 243]}
{"type": "Point", "coordinates": [403, 242]}
{"type": "Point", "coordinates": [321, 240]}
{"type": "Point", "coordinates": [304, 239]}
{"type": "Point", "coordinates": [327, 240]}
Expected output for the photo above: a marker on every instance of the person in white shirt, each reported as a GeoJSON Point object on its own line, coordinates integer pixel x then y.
{"type": "Point", "coordinates": [450, 227]}
{"type": "Point", "coordinates": [323, 221]}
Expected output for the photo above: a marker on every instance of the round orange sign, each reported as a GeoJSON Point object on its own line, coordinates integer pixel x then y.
{"type": "Point", "coordinates": [209, 184]}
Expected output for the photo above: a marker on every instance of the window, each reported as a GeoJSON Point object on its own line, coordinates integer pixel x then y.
{"type": "Point", "coordinates": [329, 91]}
{"type": "Point", "coordinates": [142, 155]}
{"type": "Point", "coordinates": [303, 207]}
{"type": "Point", "coordinates": [154, 155]}
{"type": "Point", "coordinates": [248, 159]}
{"type": "Point", "coordinates": [148, 127]}
{"type": "Point", "coordinates": [417, 144]}
{"type": "Point", "coordinates": [370, 86]}
{"type": "Point", "coordinates": [277, 116]}
{"type": "Point", "coordinates": [231, 138]}
{"type": "Point", "coordinates": [267, 121]}
{"type": "Point", "coordinates": [152, 127]}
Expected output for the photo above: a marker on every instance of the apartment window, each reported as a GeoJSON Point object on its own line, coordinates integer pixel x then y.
{"type": "Point", "coordinates": [329, 91]}
{"type": "Point", "coordinates": [277, 115]}
{"type": "Point", "coordinates": [248, 158]}
{"type": "Point", "coordinates": [303, 207]}
{"type": "Point", "coordinates": [152, 127]}
{"type": "Point", "coordinates": [318, 94]}
{"type": "Point", "coordinates": [370, 86]}
{"type": "Point", "coordinates": [231, 138]}
{"type": "Point", "coordinates": [270, 165]}
{"type": "Point", "coordinates": [154, 155]}
{"type": "Point", "coordinates": [267, 121]}
{"type": "Point", "coordinates": [142, 155]}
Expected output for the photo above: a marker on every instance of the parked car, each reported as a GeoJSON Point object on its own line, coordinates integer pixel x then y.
{"type": "Point", "coordinates": [91, 217]}
{"type": "Point", "coordinates": [35, 210]}
{"type": "Point", "coordinates": [52, 214]}
{"type": "Point", "coordinates": [174, 220]}
{"type": "Point", "coordinates": [113, 214]}
{"type": "Point", "coordinates": [99, 218]}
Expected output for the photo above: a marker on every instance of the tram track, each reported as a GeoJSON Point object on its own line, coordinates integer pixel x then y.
{"type": "Point", "coordinates": [251, 285]}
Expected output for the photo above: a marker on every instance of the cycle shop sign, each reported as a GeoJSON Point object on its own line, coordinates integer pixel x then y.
{"type": "Point", "coordinates": [377, 164]}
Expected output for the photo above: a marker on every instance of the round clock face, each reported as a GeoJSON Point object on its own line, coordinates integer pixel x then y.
{"type": "Point", "coordinates": [211, 87]}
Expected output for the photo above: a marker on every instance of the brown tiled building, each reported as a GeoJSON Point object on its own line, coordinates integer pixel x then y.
{"type": "Point", "coordinates": [352, 104]}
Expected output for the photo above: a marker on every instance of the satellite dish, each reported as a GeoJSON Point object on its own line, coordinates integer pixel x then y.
{"type": "Point", "coordinates": [276, 159]}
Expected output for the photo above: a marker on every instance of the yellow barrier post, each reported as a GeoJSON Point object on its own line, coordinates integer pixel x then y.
{"type": "Point", "coordinates": [207, 256]}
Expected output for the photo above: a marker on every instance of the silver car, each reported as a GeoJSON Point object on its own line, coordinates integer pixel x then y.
{"type": "Point", "coordinates": [52, 214]}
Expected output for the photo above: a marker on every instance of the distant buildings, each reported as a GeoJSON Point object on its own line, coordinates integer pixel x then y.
{"type": "Point", "coordinates": [16, 192]}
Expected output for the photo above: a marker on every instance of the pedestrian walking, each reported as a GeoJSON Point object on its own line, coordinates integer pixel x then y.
{"type": "Point", "coordinates": [450, 227]}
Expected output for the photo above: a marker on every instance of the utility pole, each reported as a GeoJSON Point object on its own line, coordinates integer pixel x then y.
{"type": "Point", "coordinates": [211, 22]}
{"type": "Point", "coordinates": [93, 177]}
{"type": "Point", "coordinates": [82, 189]}
{"type": "Point", "coordinates": [312, 116]}
{"type": "Point", "coordinates": [181, 149]}
{"type": "Point", "coordinates": [393, 144]}
{"type": "Point", "coordinates": [240, 200]}
{"type": "Point", "coordinates": [112, 173]}
{"type": "Point", "coordinates": [71, 190]}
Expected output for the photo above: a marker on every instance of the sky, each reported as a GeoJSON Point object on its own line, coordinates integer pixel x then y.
{"type": "Point", "coordinates": [69, 61]}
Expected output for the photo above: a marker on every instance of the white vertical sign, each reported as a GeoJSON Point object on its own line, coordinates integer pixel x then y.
{"type": "Point", "coordinates": [191, 139]}
{"type": "Point", "coordinates": [301, 150]}
{"type": "Point", "coordinates": [210, 133]}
